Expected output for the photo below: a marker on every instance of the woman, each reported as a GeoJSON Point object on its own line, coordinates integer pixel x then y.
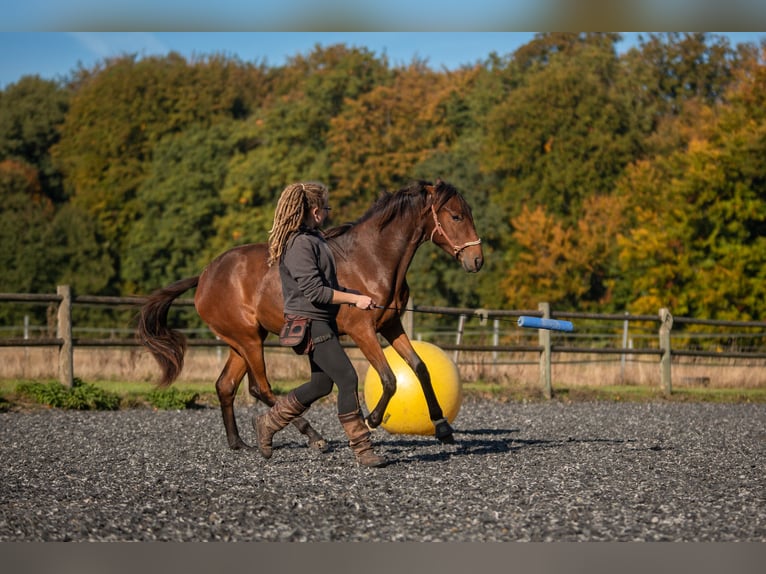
{"type": "Point", "coordinates": [310, 289]}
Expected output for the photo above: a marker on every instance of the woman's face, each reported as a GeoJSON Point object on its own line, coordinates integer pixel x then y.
{"type": "Point", "coordinates": [317, 215]}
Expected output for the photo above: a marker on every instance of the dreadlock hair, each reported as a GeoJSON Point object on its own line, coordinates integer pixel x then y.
{"type": "Point", "coordinates": [295, 202]}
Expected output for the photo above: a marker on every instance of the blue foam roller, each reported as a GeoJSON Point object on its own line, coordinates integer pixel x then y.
{"type": "Point", "coordinates": [550, 324]}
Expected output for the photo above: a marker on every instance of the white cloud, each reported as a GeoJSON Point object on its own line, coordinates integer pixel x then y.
{"type": "Point", "coordinates": [107, 44]}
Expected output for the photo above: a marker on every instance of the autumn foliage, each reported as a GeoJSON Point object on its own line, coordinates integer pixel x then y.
{"type": "Point", "coordinates": [600, 181]}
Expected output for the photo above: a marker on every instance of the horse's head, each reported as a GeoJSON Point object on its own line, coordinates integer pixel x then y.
{"type": "Point", "coordinates": [451, 225]}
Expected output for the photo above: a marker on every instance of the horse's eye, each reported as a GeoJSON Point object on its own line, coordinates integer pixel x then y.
{"type": "Point", "coordinates": [457, 218]}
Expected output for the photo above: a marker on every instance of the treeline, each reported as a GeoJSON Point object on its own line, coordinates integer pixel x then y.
{"type": "Point", "coordinates": [599, 181]}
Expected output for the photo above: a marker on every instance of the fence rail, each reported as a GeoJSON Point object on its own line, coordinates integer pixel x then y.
{"type": "Point", "coordinates": [545, 349]}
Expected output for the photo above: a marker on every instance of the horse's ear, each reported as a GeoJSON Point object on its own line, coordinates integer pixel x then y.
{"type": "Point", "coordinates": [431, 188]}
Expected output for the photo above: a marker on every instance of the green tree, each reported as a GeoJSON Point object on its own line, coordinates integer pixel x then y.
{"type": "Point", "coordinates": [179, 201]}
{"type": "Point", "coordinates": [296, 127]}
{"type": "Point", "coordinates": [119, 113]}
{"type": "Point", "coordinates": [24, 218]}
{"type": "Point", "coordinates": [563, 133]}
{"type": "Point", "coordinates": [246, 205]}
{"type": "Point", "coordinates": [44, 245]}
{"type": "Point", "coordinates": [668, 79]}
{"type": "Point", "coordinates": [435, 278]}
{"type": "Point", "coordinates": [286, 139]}
{"type": "Point", "coordinates": [76, 253]}
{"type": "Point", "coordinates": [31, 112]}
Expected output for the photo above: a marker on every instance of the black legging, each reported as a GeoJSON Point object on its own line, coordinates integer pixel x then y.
{"type": "Point", "coordinates": [329, 364]}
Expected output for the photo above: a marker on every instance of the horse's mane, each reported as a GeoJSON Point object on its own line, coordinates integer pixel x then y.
{"type": "Point", "coordinates": [390, 205]}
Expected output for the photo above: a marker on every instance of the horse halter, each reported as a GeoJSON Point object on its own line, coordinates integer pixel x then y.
{"type": "Point", "coordinates": [438, 227]}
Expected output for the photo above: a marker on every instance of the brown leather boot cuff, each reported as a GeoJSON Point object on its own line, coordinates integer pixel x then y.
{"type": "Point", "coordinates": [276, 418]}
{"type": "Point", "coordinates": [359, 439]}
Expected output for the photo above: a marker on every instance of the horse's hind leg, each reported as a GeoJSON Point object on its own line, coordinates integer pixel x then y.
{"type": "Point", "coordinates": [395, 335]}
{"type": "Point", "coordinates": [260, 388]}
{"type": "Point", "coordinates": [226, 386]}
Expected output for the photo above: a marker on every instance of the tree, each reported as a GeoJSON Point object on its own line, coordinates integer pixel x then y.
{"type": "Point", "coordinates": [122, 110]}
{"type": "Point", "coordinates": [571, 266]}
{"type": "Point", "coordinates": [25, 215]}
{"type": "Point", "coordinates": [699, 241]}
{"type": "Point", "coordinates": [435, 278]}
{"type": "Point", "coordinates": [45, 245]}
{"type": "Point", "coordinates": [178, 203]}
{"type": "Point", "coordinates": [381, 136]}
{"type": "Point", "coordinates": [31, 112]}
{"type": "Point", "coordinates": [562, 134]}
{"type": "Point", "coordinates": [75, 254]}
{"type": "Point", "coordinates": [246, 207]}
{"type": "Point", "coordinates": [670, 78]}
{"type": "Point", "coordinates": [289, 136]}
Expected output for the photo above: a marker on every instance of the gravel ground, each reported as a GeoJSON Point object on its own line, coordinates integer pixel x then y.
{"type": "Point", "coordinates": [520, 472]}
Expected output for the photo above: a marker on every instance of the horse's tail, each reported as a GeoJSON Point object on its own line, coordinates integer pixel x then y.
{"type": "Point", "coordinates": [167, 345]}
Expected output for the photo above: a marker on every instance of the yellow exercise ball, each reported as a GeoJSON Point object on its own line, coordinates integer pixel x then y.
{"type": "Point", "coordinates": [407, 412]}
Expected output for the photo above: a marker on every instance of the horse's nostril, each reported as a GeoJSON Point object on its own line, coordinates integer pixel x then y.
{"type": "Point", "coordinates": [478, 262]}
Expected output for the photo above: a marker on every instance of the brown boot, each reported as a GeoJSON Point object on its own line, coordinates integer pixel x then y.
{"type": "Point", "coordinates": [276, 418]}
{"type": "Point", "coordinates": [359, 439]}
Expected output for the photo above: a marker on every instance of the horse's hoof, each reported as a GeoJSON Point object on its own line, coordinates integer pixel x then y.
{"type": "Point", "coordinates": [319, 445]}
{"type": "Point", "coordinates": [371, 422]}
{"type": "Point", "coordinates": [444, 432]}
{"type": "Point", "coordinates": [240, 445]}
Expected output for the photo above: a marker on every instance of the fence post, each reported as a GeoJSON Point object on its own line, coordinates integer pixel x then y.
{"type": "Point", "coordinates": [459, 337]}
{"type": "Point", "coordinates": [666, 324]}
{"type": "Point", "coordinates": [408, 319]}
{"type": "Point", "coordinates": [544, 338]}
{"type": "Point", "coordinates": [624, 346]}
{"type": "Point", "coordinates": [64, 332]}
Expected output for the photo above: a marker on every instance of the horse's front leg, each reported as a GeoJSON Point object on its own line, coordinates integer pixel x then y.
{"type": "Point", "coordinates": [367, 342]}
{"type": "Point", "coordinates": [394, 334]}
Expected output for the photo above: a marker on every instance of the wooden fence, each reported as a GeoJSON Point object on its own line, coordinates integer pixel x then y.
{"type": "Point", "coordinates": [545, 349]}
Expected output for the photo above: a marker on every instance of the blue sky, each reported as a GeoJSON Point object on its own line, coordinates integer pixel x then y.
{"type": "Point", "coordinates": [268, 15]}
{"type": "Point", "coordinates": [53, 55]}
{"type": "Point", "coordinates": [374, 15]}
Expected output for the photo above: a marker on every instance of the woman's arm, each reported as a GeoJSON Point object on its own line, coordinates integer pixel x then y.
{"type": "Point", "coordinates": [350, 298]}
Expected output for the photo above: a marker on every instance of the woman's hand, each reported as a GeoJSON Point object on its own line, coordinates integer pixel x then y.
{"type": "Point", "coordinates": [364, 302]}
{"type": "Point", "coordinates": [353, 298]}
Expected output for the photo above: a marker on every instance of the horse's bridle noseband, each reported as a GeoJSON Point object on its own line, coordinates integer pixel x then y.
{"type": "Point", "coordinates": [438, 227]}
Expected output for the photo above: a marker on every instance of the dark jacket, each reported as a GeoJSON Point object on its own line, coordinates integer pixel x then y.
{"type": "Point", "coordinates": [307, 271]}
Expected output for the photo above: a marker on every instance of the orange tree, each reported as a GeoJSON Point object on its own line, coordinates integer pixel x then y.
{"type": "Point", "coordinates": [698, 243]}
{"type": "Point", "coordinates": [379, 138]}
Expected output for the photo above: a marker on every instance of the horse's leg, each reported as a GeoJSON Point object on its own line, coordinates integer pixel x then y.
{"type": "Point", "coordinates": [394, 334]}
{"type": "Point", "coordinates": [226, 386]}
{"type": "Point", "coordinates": [260, 388]}
{"type": "Point", "coordinates": [370, 347]}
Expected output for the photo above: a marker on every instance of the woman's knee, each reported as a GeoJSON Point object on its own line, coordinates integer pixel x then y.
{"type": "Point", "coordinates": [322, 384]}
{"type": "Point", "coordinates": [347, 379]}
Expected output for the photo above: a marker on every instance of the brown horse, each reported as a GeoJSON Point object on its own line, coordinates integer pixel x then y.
{"type": "Point", "coordinates": [240, 299]}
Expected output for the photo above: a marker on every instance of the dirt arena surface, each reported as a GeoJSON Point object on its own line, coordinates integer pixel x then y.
{"type": "Point", "coordinates": [520, 472]}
